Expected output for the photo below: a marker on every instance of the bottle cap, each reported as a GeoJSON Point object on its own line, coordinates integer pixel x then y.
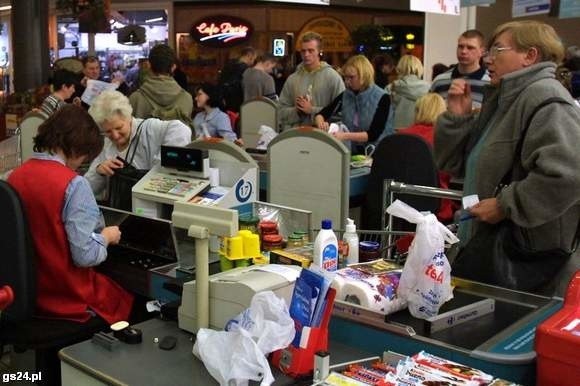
{"type": "Point", "coordinates": [350, 227]}
{"type": "Point", "coordinates": [326, 224]}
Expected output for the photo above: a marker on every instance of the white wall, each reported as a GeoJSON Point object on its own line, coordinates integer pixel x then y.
{"type": "Point", "coordinates": [441, 33]}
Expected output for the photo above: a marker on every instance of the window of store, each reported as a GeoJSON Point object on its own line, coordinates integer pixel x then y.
{"type": "Point", "coordinates": [122, 48]}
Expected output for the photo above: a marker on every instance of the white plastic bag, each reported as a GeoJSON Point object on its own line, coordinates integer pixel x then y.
{"type": "Point", "coordinates": [426, 279]}
{"type": "Point", "coordinates": [267, 320]}
{"type": "Point", "coordinates": [267, 134]}
{"type": "Point", "coordinates": [234, 356]}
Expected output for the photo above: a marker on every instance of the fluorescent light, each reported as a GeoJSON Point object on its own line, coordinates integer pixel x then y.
{"type": "Point", "coordinates": [154, 20]}
{"type": "Point", "coordinates": [5, 8]}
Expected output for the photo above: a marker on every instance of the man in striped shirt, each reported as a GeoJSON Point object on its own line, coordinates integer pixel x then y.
{"type": "Point", "coordinates": [63, 84]}
{"type": "Point", "coordinates": [470, 50]}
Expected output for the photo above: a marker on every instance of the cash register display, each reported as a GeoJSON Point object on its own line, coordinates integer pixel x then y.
{"type": "Point", "coordinates": [183, 158]}
{"type": "Point", "coordinates": [143, 234]}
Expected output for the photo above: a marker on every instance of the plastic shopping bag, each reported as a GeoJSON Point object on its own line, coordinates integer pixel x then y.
{"type": "Point", "coordinates": [267, 134]}
{"type": "Point", "coordinates": [426, 279]}
{"type": "Point", "coordinates": [264, 327]}
{"type": "Point", "coordinates": [267, 320]}
{"type": "Point", "coordinates": [232, 358]}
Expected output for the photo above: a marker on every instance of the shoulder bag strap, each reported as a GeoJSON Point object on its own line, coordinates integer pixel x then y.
{"type": "Point", "coordinates": [507, 178]}
{"type": "Point", "coordinates": [134, 143]}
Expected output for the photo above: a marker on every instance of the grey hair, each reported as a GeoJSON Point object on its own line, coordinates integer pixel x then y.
{"type": "Point", "coordinates": [108, 104]}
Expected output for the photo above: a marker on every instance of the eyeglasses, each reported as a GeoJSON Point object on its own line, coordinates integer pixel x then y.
{"type": "Point", "coordinates": [494, 51]}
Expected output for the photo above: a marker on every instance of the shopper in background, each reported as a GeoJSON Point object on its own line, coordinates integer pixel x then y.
{"type": "Point", "coordinates": [113, 113]}
{"type": "Point", "coordinates": [312, 86]}
{"type": "Point", "coordinates": [66, 228]}
{"type": "Point", "coordinates": [407, 89]}
{"type": "Point", "coordinates": [384, 65]}
{"type": "Point", "coordinates": [543, 199]}
{"type": "Point", "coordinates": [230, 79]}
{"type": "Point", "coordinates": [257, 81]}
{"type": "Point", "coordinates": [470, 51]}
{"type": "Point", "coordinates": [212, 121]}
{"type": "Point", "coordinates": [63, 83]}
{"type": "Point", "coordinates": [364, 106]}
{"type": "Point", "coordinates": [92, 71]}
{"type": "Point", "coordinates": [427, 110]}
{"type": "Point", "coordinates": [160, 95]}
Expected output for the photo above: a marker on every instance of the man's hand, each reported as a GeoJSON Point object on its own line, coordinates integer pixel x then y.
{"type": "Point", "coordinates": [321, 123]}
{"type": "Point", "coordinates": [304, 104]}
{"type": "Point", "coordinates": [459, 97]}
{"type": "Point", "coordinates": [111, 234]}
{"type": "Point", "coordinates": [108, 167]}
{"type": "Point", "coordinates": [488, 210]}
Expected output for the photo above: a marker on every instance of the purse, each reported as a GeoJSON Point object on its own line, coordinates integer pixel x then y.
{"type": "Point", "coordinates": [121, 183]}
{"type": "Point", "coordinates": [495, 256]}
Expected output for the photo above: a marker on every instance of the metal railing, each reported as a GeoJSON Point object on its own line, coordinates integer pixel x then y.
{"type": "Point", "coordinates": [391, 188]}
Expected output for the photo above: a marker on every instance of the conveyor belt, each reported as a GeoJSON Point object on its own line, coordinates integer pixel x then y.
{"type": "Point", "coordinates": [468, 335]}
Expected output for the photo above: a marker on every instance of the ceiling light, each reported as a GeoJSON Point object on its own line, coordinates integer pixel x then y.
{"type": "Point", "coordinates": [5, 8]}
{"type": "Point", "coordinates": [154, 20]}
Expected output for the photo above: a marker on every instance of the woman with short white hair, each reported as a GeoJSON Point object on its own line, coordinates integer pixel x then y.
{"type": "Point", "coordinates": [112, 111]}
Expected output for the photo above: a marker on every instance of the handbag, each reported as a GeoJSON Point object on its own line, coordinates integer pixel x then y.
{"type": "Point", "coordinates": [121, 183]}
{"type": "Point", "coordinates": [495, 256]}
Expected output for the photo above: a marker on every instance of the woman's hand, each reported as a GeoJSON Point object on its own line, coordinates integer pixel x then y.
{"type": "Point", "coordinates": [108, 167]}
{"type": "Point", "coordinates": [459, 97]}
{"type": "Point", "coordinates": [111, 234]}
{"type": "Point", "coordinates": [321, 123]}
{"type": "Point", "coordinates": [488, 210]}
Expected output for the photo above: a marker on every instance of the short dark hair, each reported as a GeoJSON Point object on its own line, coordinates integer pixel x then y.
{"type": "Point", "coordinates": [474, 34]}
{"type": "Point", "coordinates": [64, 78]}
{"type": "Point", "coordinates": [267, 57]}
{"type": "Point", "coordinates": [383, 60]}
{"type": "Point", "coordinates": [248, 51]}
{"type": "Point", "coordinates": [72, 130]}
{"type": "Point", "coordinates": [216, 97]}
{"type": "Point", "coordinates": [162, 58]}
{"type": "Point", "coordinates": [90, 59]}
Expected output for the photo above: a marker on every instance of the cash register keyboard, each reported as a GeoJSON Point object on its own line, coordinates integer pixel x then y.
{"type": "Point", "coordinates": [174, 186]}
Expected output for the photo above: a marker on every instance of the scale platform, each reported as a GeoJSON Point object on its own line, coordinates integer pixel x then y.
{"type": "Point", "coordinates": [499, 341]}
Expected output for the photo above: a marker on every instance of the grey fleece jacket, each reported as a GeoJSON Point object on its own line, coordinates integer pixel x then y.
{"type": "Point", "coordinates": [323, 85]}
{"type": "Point", "coordinates": [544, 199]}
{"type": "Point", "coordinates": [404, 93]}
{"type": "Point", "coordinates": [165, 91]}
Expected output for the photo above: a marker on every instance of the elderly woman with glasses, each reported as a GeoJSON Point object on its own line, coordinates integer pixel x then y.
{"type": "Point", "coordinates": [529, 127]}
{"type": "Point", "coordinates": [364, 105]}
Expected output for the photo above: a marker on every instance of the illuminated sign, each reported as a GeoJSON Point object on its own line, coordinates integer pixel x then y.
{"type": "Point", "coordinates": [221, 31]}
{"type": "Point", "coordinates": [279, 47]}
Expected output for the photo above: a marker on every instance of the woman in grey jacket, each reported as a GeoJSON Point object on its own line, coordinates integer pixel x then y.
{"type": "Point", "coordinates": [543, 199]}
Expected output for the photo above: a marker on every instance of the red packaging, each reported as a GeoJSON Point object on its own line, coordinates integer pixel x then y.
{"type": "Point", "coordinates": [558, 342]}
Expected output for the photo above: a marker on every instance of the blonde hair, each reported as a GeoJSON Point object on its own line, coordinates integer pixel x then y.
{"type": "Point", "coordinates": [428, 108]}
{"type": "Point", "coordinates": [363, 68]}
{"type": "Point", "coordinates": [409, 65]}
{"type": "Point", "coordinates": [530, 33]}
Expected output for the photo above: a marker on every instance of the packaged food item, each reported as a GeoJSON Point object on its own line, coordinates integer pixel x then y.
{"type": "Point", "coordinates": [461, 371]}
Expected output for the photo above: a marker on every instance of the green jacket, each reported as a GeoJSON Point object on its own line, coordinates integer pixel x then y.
{"type": "Point", "coordinates": [165, 91]}
{"type": "Point", "coordinates": [544, 200]}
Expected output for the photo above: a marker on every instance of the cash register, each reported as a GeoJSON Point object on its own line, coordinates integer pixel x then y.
{"type": "Point", "coordinates": [145, 244]}
{"type": "Point", "coordinates": [182, 175]}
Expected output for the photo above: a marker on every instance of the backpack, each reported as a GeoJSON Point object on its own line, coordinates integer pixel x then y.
{"type": "Point", "coordinates": [168, 113]}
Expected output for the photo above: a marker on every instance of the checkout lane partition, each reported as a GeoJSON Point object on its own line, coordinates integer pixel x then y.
{"type": "Point", "coordinates": [310, 169]}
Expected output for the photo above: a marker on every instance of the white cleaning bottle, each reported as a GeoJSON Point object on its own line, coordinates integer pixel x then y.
{"type": "Point", "coordinates": [325, 253]}
{"type": "Point", "coordinates": [351, 238]}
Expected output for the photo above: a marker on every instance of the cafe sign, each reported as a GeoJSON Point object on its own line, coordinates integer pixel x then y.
{"type": "Point", "coordinates": [221, 31]}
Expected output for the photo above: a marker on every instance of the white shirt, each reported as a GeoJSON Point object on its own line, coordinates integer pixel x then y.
{"type": "Point", "coordinates": [154, 133]}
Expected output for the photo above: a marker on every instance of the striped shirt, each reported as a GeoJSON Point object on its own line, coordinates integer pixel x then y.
{"type": "Point", "coordinates": [51, 104]}
{"type": "Point", "coordinates": [477, 79]}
